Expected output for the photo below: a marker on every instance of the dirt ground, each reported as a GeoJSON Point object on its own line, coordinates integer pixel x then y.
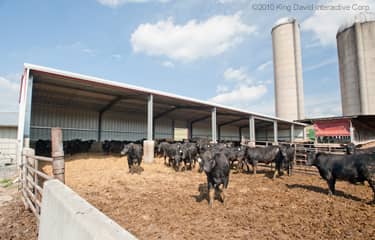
{"type": "Point", "coordinates": [163, 204]}
{"type": "Point", "coordinates": [16, 223]}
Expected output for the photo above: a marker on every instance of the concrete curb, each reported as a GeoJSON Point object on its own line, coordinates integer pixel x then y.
{"type": "Point", "coordinates": [65, 215]}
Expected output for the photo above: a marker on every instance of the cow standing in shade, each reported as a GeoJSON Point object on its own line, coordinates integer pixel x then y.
{"type": "Point", "coordinates": [135, 153]}
{"type": "Point", "coordinates": [352, 168]}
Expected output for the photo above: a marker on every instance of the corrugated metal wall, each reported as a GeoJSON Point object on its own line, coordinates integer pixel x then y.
{"type": "Point", "coordinates": [229, 133]}
{"type": "Point", "coordinates": [121, 126]}
{"type": "Point", "coordinates": [267, 134]}
{"type": "Point", "coordinates": [83, 124]}
{"type": "Point", "coordinates": [202, 130]}
{"type": "Point", "coordinates": [163, 128]}
{"type": "Point", "coordinates": [8, 145]}
{"type": "Point", "coordinates": [76, 123]}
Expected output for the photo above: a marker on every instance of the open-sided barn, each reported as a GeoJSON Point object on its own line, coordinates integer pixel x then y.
{"type": "Point", "coordinates": [91, 108]}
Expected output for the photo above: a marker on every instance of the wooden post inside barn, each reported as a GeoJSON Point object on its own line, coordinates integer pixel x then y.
{"type": "Point", "coordinates": [58, 164]}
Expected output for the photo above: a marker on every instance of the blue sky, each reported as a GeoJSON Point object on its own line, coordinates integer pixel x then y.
{"type": "Point", "coordinates": [217, 50]}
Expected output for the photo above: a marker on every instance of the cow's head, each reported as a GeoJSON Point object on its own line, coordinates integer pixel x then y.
{"type": "Point", "coordinates": [311, 157]}
{"type": "Point", "coordinates": [208, 163]}
{"type": "Point", "coordinates": [350, 148]}
{"type": "Point", "coordinates": [126, 149]}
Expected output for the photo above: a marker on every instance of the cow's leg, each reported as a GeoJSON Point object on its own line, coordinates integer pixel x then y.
{"type": "Point", "coordinates": [277, 169]}
{"type": "Point", "coordinates": [371, 182]}
{"type": "Point", "coordinates": [331, 186]}
{"type": "Point", "coordinates": [129, 164]}
{"type": "Point", "coordinates": [275, 173]}
{"type": "Point", "coordinates": [225, 185]}
{"type": "Point", "coordinates": [254, 167]}
{"type": "Point", "coordinates": [211, 195]}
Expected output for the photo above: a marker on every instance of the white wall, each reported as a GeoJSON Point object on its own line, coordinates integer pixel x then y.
{"type": "Point", "coordinates": [8, 145]}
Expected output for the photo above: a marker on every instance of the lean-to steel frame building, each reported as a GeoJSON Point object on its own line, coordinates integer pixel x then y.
{"type": "Point", "coordinates": [88, 108]}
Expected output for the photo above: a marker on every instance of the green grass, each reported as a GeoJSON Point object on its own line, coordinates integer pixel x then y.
{"type": "Point", "coordinates": [6, 183]}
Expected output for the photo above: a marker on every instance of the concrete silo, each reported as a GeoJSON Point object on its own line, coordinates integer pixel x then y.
{"type": "Point", "coordinates": [287, 64]}
{"type": "Point", "coordinates": [356, 52]}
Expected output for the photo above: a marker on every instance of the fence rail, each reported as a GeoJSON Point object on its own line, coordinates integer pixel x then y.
{"type": "Point", "coordinates": [32, 178]}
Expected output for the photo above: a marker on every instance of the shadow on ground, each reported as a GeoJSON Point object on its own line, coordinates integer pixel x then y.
{"type": "Point", "coordinates": [324, 191]}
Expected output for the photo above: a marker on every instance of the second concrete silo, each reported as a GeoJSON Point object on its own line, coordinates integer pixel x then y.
{"type": "Point", "coordinates": [287, 64]}
{"type": "Point", "coordinates": [356, 52]}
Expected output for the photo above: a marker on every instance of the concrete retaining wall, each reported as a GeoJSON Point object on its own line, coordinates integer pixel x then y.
{"type": "Point", "coordinates": [65, 215]}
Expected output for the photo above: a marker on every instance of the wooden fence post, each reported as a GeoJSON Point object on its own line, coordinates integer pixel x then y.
{"type": "Point", "coordinates": [58, 164]}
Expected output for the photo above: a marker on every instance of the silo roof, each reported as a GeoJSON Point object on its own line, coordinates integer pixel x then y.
{"type": "Point", "coordinates": [360, 18]}
{"type": "Point", "coordinates": [283, 20]}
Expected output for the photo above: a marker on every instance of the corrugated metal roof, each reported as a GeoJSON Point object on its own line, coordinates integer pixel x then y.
{"type": "Point", "coordinates": [8, 119]}
{"type": "Point", "coordinates": [94, 82]}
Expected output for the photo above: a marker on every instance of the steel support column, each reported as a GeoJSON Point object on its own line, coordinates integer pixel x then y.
{"type": "Point", "coordinates": [352, 140]}
{"type": "Point", "coordinates": [190, 129]}
{"type": "Point", "coordinates": [213, 125]}
{"type": "Point", "coordinates": [173, 127]}
{"type": "Point", "coordinates": [150, 102]}
{"type": "Point", "coordinates": [275, 132]}
{"type": "Point", "coordinates": [292, 133]}
{"type": "Point", "coordinates": [28, 108]}
{"type": "Point", "coordinates": [252, 129]}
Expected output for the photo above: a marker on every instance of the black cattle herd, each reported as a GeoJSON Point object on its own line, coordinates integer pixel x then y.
{"type": "Point", "coordinates": [216, 160]}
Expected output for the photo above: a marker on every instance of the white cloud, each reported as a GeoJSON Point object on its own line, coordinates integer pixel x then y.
{"type": "Point", "coordinates": [192, 40]}
{"type": "Point", "coordinates": [239, 75]}
{"type": "Point", "coordinates": [222, 88]}
{"type": "Point", "coordinates": [167, 64]}
{"type": "Point", "coordinates": [325, 23]}
{"type": "Point", "coordinates": [117, 3]}
{"type": "Point", "coordinates": [239, 90]}
{"type": "Point", "coordinates": [265, 65]}
{"type": "Point", "coordinates": [9, 91]}
{"type": "Point", "coordinates": [240, 94]}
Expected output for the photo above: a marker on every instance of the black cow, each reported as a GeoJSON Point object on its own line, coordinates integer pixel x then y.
{"type": "Point", "coordinates": [288, 154]}
{"type": "Point", "coordinates": [203, 145]}
{"type": "Point", "coordinates": [189, 154]}
{"type": "Point", "coordinates": [174, 153]}
{"type": "Point", "coordinates": [43, 148]}
{"type": "Point", "coordinates": [351, 148]}
{"type": "Point", "coordinates": [265, 155]}
{"type": "Point", "coordinates": [163, 151]}
{"type": "Point", "coordinates": [112, 146]}
{"type": "Point", "coordinates": [135, 153]}
{"type": "Point", "coordinates": [216, 166]}
{"type": "Point", "coordinates": [352, 168]}
{"type": "Point", "coordinates": [235, 155]}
